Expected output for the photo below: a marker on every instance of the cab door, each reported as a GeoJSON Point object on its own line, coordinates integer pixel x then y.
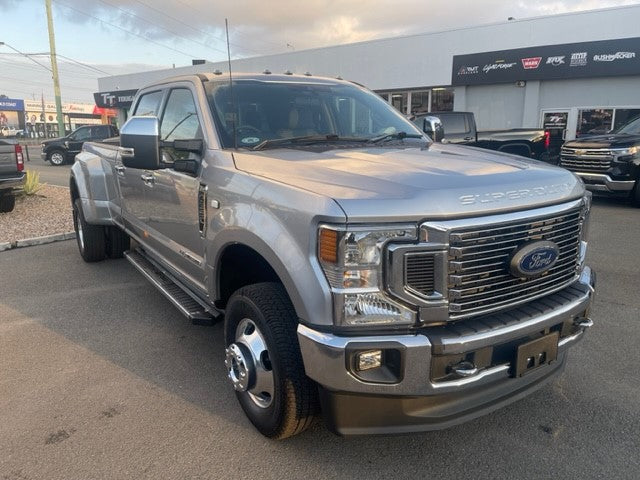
{"type": "Point", "coordinates": [133, 189]}
{"type": "Point", "coordinates": [172, 194]}
{"type": "Point", "coordinates": [76, 140]}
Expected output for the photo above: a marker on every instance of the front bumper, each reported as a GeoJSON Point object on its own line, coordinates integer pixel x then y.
{"type": "Point", "coordinates": [601, 182]}
{"type": "Point", "coordinates": [417, 401]}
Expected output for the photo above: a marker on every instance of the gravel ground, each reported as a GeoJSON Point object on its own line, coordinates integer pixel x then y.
{"type": "Point", "coordinates": [46, 213]}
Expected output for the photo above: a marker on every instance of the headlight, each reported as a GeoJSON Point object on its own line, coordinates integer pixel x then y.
{"type": "Point", "coordinates": [584, 230]}
{"type": "Point", "coordinates": [627, 151]}
{"type": "Point", "coordinates": [352, 258]}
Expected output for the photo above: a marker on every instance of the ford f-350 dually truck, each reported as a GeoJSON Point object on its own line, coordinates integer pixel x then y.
{"type": "Point", "coordinates": [362, 272]}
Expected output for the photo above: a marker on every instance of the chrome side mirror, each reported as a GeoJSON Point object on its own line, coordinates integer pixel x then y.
{"type": "Point", "coordinates": [140, 143]}
{"type": "Point", "coordinates": [433, 127]}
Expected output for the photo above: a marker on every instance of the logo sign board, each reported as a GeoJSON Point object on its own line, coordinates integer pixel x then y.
{"type": "Point", "coordinates": [11, 104]}
{"type": "Point", "coordinates": [605, 58]}
{"type": "Point", "coordinates": [115, 99]}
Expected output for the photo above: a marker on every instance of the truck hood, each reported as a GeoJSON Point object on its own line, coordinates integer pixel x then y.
{"type": "Point", "coordinates": [605, 141]}
{"type": "Point", "coordinates": [402, 184]}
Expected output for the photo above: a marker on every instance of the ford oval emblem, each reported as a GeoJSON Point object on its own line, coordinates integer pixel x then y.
{"type": "Point", "coordinates": [534, 258]}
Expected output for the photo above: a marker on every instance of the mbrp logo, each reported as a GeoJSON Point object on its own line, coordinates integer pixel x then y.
{"type": "Point", "coordinates": [610, 57]}
{"type": "Point", "coordinates": [531, 63]}
{"type": "Point", "coordinates": [578, 59]}
{"type": "Point", "coordinates": [556, 61]}
{"type": "Point", "coordinates": [468, 70]}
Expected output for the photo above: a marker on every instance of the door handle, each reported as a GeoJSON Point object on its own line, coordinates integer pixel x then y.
{"type": "Point", "coordinates": [120, 169]}
{"type": "Point", "coordinates": [148, 178]}
{"type": "Point", "coordinates": [468, 138]}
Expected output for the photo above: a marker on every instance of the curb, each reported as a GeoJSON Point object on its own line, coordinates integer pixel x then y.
{"type": "Point", "coordinates": [28, 242]}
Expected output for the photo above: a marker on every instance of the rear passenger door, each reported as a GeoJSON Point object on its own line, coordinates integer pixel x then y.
{"type": "Point", "coordinates": [173, 195]}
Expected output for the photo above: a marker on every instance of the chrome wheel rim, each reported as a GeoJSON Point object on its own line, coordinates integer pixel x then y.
{"type": "Point", "coordinates": [57, 158]}
{"type": "Point", "coordinates": [79, 231]}
{"type": "Point", "coordinates": [248, 364]}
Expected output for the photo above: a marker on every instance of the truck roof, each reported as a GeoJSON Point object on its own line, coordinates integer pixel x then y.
{"type": "Point", "coordinates": [264, 77]}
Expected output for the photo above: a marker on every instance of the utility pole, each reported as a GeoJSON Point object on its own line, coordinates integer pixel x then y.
{"type": "Point", "coordinates": [54, 69]}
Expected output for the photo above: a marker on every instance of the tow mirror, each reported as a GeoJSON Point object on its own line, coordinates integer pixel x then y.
{"type": "Point", "coordinates": [433, 127]}
{"type": "Point", "coordinates": [140, 143]}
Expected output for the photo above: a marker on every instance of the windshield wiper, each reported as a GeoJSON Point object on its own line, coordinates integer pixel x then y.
{"type": "Point", "coordinates": [306, 140]}
{"type": "Point", "coordinates": [394, 136]}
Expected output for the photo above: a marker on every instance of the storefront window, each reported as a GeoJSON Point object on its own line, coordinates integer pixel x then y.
{"type": "Point", "coordinates": [595, 121]}
{"type": "Point", "coordinates": [442, 100]}
{"type": "Point", "coordinates": [419, 102]}
{"type": "Point", "coordinates": [399, 101]}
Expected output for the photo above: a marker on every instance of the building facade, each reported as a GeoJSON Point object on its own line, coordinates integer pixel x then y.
{"type": "Point", "coordinates": [575, 73]}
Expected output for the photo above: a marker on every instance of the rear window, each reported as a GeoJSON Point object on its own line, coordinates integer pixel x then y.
{"type": "Point", "coordinates": [454, 123]}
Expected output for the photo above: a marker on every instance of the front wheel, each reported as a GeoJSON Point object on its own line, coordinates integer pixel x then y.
{"type": "Point", "coordinates": [56, 158]}
{"type": "Point", "coordinates": [264, 362]}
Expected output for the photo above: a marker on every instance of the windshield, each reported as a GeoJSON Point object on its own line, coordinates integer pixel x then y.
{"type": "Point", "coordinates": [630, 128]}
{"type": "Point", "coordinates": [273, 110]}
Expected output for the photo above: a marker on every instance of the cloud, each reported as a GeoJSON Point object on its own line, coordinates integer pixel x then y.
{"type": "Point", "coordinates": [259, 27]}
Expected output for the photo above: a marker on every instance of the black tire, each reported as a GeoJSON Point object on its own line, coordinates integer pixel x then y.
{"type": "Point", "coordinates": [91, 238]}
{"type": "Point", "coordinates": [294, 405]}
{"type": "Point", "coordinates": [56, 157]}
{"type": "Point", "coordinates": [7, 202]}
{"type": "Point", "coordinates": [635, 194]}
{"type": "Point", "coordinates": [118, 242]}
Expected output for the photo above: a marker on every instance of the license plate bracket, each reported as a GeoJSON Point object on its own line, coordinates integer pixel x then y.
{"type": "Point", "coordinates": [536, 353]}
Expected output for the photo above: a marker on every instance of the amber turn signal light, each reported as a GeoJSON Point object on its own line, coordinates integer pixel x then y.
{"type": "Point", "coordinates": [328, 245]}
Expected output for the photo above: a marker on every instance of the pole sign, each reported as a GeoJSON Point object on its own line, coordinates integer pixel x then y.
{"type": "Point", "coordinates": [11, 104]}
{"type": "Point", "coordinates": [117, 99]}
{"type": "Point", "coordinates": [606, 58]}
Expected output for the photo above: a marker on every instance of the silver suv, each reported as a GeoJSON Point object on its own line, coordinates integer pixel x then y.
{"type": "Point", "coordinates": [360, 270]}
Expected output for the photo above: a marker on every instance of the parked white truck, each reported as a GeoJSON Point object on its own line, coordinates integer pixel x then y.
{"type": "Point", "coordinates": [361, 271]}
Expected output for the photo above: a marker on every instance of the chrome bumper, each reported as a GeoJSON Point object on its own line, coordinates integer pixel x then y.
{"type": "Point", "coordinates": [437, 404]}
{"type": "Point", "coordinates": [604, 183]}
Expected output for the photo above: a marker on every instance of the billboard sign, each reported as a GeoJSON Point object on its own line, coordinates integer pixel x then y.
{"type": "Point", "coordinates": [11, 104]}
{"type": "Point", "coordinates": [606, 58]}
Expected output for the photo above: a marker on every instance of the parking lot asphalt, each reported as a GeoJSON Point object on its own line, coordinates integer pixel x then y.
{"type": "Point", "coordinates": [100, 377]}
{"type": "Point", "coordinates": [48, 173]}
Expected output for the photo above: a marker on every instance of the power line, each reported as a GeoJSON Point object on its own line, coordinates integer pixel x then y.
{"type": "Point", "coordinates": [190, 26]}
{"type": "Point", "coordinates": [126, 12]}
{"type": "Point", "coordinates": [63, 69]}
{"type": "Point", "coordinates": [124, 29]}
{"type": "Point", "coordinates": [90, 67]}
{"type": "Point", "coordinates": [24, 54]}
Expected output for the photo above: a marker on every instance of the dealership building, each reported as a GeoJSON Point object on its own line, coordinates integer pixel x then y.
{"type": "Point", "coordinates": [574, 73]}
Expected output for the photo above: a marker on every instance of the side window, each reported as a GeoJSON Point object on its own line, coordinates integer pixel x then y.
{"type": "Point", "coordinates": [180, 118]}
{"type": "Point", "coordinates": [149, 104]}
{"type": "Point", "coordinates": [82, 134]}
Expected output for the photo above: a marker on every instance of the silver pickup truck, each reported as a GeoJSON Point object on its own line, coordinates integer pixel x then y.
{"type": "Point", "coordinates": [361, 271]}
{"type": "Point", "coordinates": [11, 173]}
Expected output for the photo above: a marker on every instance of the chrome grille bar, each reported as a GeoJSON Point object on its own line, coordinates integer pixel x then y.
{"type": "Point", "coordinates": [479, 278]}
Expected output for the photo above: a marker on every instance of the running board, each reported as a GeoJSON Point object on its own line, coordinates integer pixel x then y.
{"type": "Point", "coordinates": [193, 309]}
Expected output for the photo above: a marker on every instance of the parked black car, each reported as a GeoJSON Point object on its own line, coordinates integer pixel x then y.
{"type": "Point", "coordinates": [608, 163]}
{"type": "Point", "coordinates": [460, 128]}
{"type": "Point", "coordinates": [59, 151]}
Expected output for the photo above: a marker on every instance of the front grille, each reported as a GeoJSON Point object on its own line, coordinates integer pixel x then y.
{"type": "Point", "coordinates": [419, 270]}
{"type": "Point", "coordinates": [585, 160]}
{"type": "Point", "coordinates": [479, 276]}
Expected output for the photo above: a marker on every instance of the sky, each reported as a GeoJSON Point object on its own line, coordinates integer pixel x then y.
{"type": "Point", "coordinates": [97, 38]}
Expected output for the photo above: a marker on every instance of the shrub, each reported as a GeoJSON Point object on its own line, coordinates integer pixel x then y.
{"type": "Point", "coordinates": [32, 183]}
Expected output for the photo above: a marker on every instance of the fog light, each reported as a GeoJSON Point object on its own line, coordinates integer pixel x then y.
{"type": "Point", "coordinates": [368, 360]}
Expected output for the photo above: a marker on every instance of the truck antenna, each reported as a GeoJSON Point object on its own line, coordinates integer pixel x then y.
{"type": "Point", "coordinates": [233, 100]}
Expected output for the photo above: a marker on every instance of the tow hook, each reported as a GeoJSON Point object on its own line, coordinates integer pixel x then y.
{"type": "Point", "coordinates": [465, 369]}
{"type": "Point", "coordinates": [583, 322]}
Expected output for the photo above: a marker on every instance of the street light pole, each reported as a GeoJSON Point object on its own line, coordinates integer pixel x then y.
{"type": "Point", "coordinates": [54, 69]}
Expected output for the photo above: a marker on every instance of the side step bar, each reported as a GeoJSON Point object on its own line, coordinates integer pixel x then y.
{"type": "Point", "coordinates": [193, 309]}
